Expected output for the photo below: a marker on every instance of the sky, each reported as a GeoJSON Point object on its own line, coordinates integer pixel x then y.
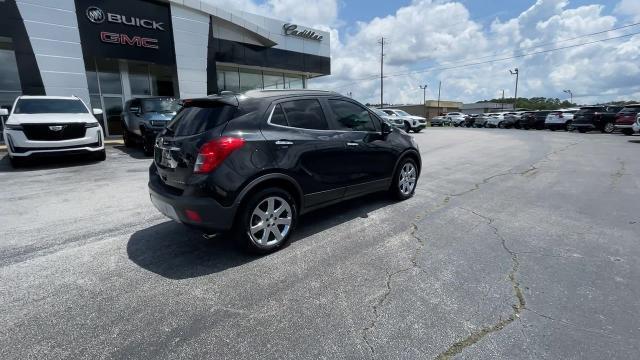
{"type": "Point", "coordinates": [432, 41]}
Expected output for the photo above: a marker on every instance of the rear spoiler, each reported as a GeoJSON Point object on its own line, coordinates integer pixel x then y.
{"type": "Point", "coordinates": [227, 99]}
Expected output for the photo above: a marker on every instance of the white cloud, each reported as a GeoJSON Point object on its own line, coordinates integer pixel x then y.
{"type": "Point", "coordinates": [438, 34]}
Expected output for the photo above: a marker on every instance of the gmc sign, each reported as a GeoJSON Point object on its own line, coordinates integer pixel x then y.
{"type": "Point", "coordinates": [124, 39]}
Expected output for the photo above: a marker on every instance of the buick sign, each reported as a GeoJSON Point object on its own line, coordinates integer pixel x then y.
{"type": "Point", "coordinates": [95, 14]}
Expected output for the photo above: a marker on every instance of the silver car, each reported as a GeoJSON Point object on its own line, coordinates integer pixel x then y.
{"type": "Point", "coordinates": [392, 120]}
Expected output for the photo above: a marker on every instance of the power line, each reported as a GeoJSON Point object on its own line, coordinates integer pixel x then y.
{"type": "Point", "coordinates": [492, 60]}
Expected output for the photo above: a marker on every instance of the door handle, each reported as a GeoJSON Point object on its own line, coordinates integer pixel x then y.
{"type": "Point", "coordinates": [284, 142]}
{"type": "Point", "coordinates": [352, 144]}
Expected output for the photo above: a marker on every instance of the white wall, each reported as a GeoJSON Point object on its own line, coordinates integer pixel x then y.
{"type": "Point", "coordinates": [191, 37]}
{"type": "Point", "coordinates": [52, 28]}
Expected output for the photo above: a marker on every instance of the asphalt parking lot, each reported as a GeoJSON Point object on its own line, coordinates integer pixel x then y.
{"type": "Point", "coordinates": [517, 244]}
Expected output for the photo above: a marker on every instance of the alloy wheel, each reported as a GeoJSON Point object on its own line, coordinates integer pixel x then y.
{"type": "Point", "coordinates": [270, 221]}
{"type": "Point", "coordinates": [407, 179]}
{"type": "Point", "coordinates": [609, 127]}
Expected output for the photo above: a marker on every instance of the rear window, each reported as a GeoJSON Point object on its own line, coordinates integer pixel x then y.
{"type": "Point", "coordinates": [50, 106]}
{"type": "Point", "coordinates": [198, 117]}
{"type": "Point", "coordinates": [160, 105]}
{"type": "Point", "coordinates": [590, 110]}
{"type": "Point", "coordinates": [630, 109]}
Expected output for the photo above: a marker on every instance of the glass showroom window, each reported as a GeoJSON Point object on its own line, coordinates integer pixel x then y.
{"type": "Point", "coordinates": [228, 79]}
{"type": "Point", "coordinates": [10, 87]}
{"type": "Point", "coordinates": [250, 79]}
{"type": "Point", "coordinates": [273, 80]}
{"type": "Point", "coordinates": [293, 81]}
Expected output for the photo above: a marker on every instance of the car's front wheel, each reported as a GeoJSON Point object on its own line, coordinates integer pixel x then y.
{"type": "Point", "coordinates": [266, 221]}
{"type": "Point", "coordinates": [405, 179]}
{"type": "Point", "coordinates": [16, 162]}
{"type": "Point", "coordinates": [100, 155]}
{"type": "Point", "coordinates": [128, 139]}
{"type": "Point", "coordinates": [407, 127]}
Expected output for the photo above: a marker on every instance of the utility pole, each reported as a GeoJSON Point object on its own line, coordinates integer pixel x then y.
{"type": "Point", "coordinates": [424, 99]}
{"type": "Point", "coordinates": [439, 87]}
{"type": "Point", "coordinates": [502, 102]}
{"type": "Point", "coordinates": [381, 42]}
{"type": "Point", "coordinates": [515, 100]}
{"type": "Point", "coordinates": [570, 94]}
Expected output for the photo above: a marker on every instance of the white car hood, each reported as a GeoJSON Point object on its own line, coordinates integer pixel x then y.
{"type": "Point", "coordinates": [50, 118]}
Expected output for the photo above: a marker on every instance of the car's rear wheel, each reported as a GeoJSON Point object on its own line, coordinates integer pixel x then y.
{"type": "Point", "coordinates": [608, 128]}
{"type": "Point", "coordinates": [627, 132]}
{"type": "Point", "coordinates": [501, 125]}
{"type": "Point", "coordinates": [405, 179]}
{"type": "Point", "coordinates": [266, 221]}
{"type": "Point", "coordinates": [568, 126]}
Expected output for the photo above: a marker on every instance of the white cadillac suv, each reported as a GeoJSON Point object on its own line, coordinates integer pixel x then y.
{"type": "Point", "coordinates": [51, 125]}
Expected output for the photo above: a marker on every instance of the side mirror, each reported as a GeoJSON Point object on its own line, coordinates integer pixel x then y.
{"type": "Point", "coordinates": [97, 111]}
{"type": "Point", "coordinates": [386, 128]}
{"type": "Point", "coordinates": [4, 112]}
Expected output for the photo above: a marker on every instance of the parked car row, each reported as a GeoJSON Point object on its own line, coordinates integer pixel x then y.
{"type": "Point", "coordinates": [401, 119]}
{"type": "Point", "coordinates": [604, 118]}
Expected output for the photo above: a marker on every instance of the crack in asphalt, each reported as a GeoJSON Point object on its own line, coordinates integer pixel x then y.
{"type": "Point", "coordinates": [414, 265]}
{"type": "Point", "coordinates": [617, 176]}
{"type": "Point", "coordinates": [518, 307]}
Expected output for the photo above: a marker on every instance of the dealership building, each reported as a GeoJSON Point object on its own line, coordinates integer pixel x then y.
{"type": "Point", "coordinates": [108, 51]}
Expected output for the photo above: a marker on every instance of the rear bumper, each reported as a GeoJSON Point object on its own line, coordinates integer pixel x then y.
{"type": "Point", "coordinates": [211, 215]}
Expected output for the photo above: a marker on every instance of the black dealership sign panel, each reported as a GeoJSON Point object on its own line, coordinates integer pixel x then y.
{"type": "Point", "coordinates": [126, 29]}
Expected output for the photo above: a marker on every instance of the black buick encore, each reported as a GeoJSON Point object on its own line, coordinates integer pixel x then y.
{"type": "Point", "coordinates": [251, 163]}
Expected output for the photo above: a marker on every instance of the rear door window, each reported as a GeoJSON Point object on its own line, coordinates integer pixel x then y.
{"type": "Point", "coordinates": [304, 114]}
{"type": "Point", "coordinates": [350, 116]}
{"type": "Point", "coordinates": [630, 109]}
{"type": "Point", "coordinates": [198, 117]}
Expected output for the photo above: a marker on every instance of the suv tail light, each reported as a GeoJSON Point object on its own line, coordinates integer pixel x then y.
{"type": "Point", "coordinates": [214, 152]}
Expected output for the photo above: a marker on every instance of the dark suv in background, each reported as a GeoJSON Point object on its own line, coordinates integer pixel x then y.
{"type": "Point", "coordinates": [533, 120]}
{"type": "Point", "coordinates": [251, 163]}
{"type": "Point", "coordinates": [144, 118]}
{"type": "Point", "coordinates": [598, 117]}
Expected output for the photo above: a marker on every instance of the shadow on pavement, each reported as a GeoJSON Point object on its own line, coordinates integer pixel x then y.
{"type": "Point", "coordinates": [177, 252]}
{"type": "Point", "coordinates": [134, 152]}
{"type": "Point", "coordinates": [46, 163]}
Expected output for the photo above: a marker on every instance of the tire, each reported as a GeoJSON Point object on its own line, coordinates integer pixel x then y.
{"type": "Point", "coordinates": [407, 127]}
{"type": "Point", "coordinates": [17, 163]}
{"type": "Point", "coordinates": [417, 130]}
{"type": "Point", "coordinates": [100, 155]}
{"type": "Point", "coordinates": [404, 184]}
{"type": "Point", "coordinates": [128, 138]}
{"type": "Point", "coordinates": [568, 126]}
{"type": "Point", "coordinates": [501, 125]}
{"type": "Point", "coordinates": [627, 132]}
{"type": "Point", "coordinates": [147, 147]}
{"type": "Point", "coordinates": [608, 128]}
{"type": "Point", "coordinates": [270, 236]}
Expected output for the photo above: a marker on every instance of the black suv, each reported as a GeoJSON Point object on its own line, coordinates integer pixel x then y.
{"type": "Point", "coordinates": [533, 120]}
{"type": "Point", "coordinates": [253, 162]}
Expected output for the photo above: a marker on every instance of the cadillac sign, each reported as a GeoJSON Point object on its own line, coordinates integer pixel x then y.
{"type": "Point", "coordinates": [293, 30]}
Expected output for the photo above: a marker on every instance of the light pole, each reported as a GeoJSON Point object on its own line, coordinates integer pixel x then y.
{"type": "Point", "coordinates": [515, 100]}
{"type": "Point", "coordinates": [570, 94]}
{"type": "Point", "coordinates": [424, 98]}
